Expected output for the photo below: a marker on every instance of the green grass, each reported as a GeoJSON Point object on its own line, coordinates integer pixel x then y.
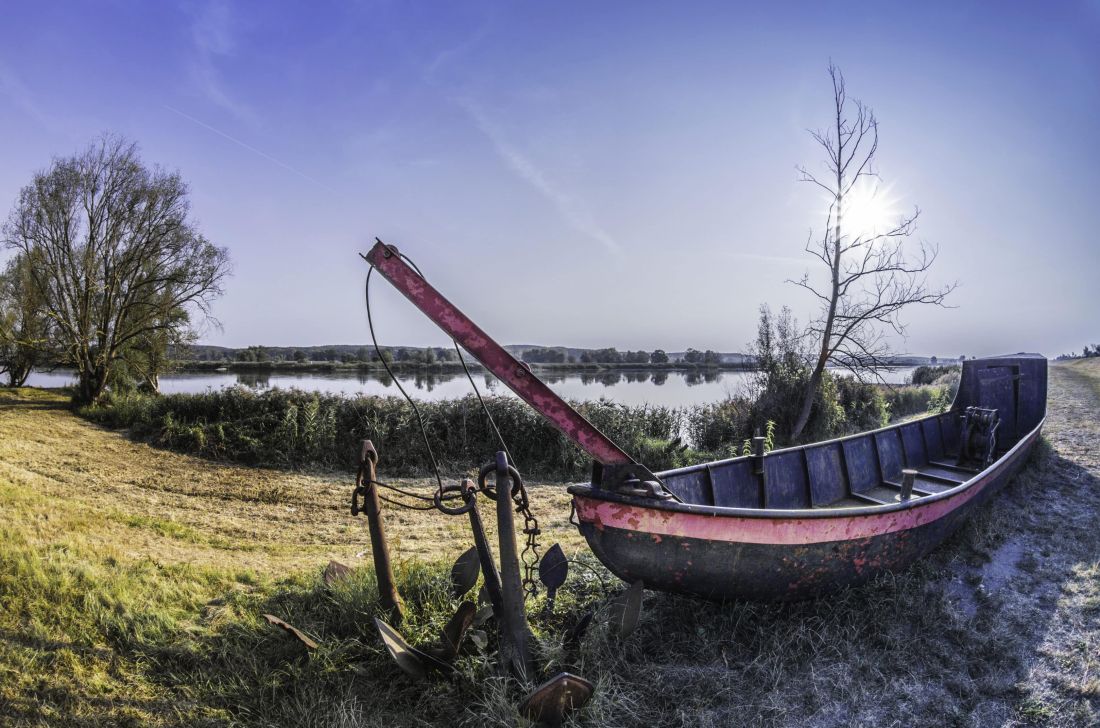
{"type": "Point", "coordinates": [89, 635]}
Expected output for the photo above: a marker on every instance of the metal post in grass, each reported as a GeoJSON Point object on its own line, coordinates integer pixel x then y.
{"type": "Point", "coordinates": [365, 488]}
{"type": "Point", "coordinates": [514, 630]}
{"type": "Point", "coordinates": [485, 554]}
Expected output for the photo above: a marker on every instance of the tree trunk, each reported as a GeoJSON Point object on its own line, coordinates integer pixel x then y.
{"type": "Point", "coordinates": [808, 397]}
{"type": "Point", "coordinates": [152, 383]}
{"type": "Point", "coordinates": [90, 386]}
{"type": "Point", "coordinates": [18, 372]}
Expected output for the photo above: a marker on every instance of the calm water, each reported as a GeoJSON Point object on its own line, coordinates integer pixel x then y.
{"type": "Point", "coordinates": [628, 387]}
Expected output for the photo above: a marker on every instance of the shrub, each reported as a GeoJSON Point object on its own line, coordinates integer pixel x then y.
{"type": "Point", "coordinates": [292, 428]}
{"type": "Point", "coordinates": [863, 404]}
{"type": "Point", "coordinates": [929, 375]}
{"type": "Point", "coordinates": [297, 429]}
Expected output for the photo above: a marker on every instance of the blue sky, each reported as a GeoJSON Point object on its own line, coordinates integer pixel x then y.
{"type": "Point", "coordinates": [586, 174]}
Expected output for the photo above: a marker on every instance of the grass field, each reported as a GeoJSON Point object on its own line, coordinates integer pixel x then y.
{"type": "Point", "coordinates": [132, 580]}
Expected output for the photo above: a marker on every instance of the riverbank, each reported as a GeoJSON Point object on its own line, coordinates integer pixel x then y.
{"type": "Point", "coordinates": [133, 578]}
{"type": "Point", "coordinates": [295, 428]}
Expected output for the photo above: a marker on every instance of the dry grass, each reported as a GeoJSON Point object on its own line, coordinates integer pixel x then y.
{"type": "Point", "coordinates": [186, 509]}
{"type": "Point", "coordinates": [151, 568]}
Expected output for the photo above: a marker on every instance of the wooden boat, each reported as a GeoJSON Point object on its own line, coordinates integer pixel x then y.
{"type": "Point", "coordinates": [793, 523]}
{"type": "Point", "coordinates": [823, 516]}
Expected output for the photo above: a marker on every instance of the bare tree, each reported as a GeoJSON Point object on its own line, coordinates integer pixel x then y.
{"type": "Point", "coordinates": [116, 256]}
{"type": "Point", "coordinates": [874, 274]}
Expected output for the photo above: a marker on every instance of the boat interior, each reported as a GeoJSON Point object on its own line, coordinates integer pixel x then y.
{"type": "Point", "coordinates": [867, 469]}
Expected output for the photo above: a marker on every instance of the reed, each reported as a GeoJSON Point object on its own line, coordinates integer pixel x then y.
{"type": "Point", "coordinates": [298, 429]}
{"type": "Point", "coordinates": [292, 428]}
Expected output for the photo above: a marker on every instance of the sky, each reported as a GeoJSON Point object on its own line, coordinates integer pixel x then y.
{"type": "Point", "coordinates": [584, 174]}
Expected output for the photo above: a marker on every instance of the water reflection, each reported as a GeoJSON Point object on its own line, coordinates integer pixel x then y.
{"type": "Point", "coordinates": [657, 387]}
{"type": "Point", "coordinates": [254, 380]}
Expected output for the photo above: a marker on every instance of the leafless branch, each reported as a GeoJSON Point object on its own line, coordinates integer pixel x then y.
{"type": "Point", "coordinates": [872, 277]}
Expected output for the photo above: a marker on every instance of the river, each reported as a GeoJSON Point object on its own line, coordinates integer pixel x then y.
{"type": "Point", "coordinates": [631, 387]}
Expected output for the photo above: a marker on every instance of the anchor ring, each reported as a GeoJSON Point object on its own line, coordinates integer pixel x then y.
{"type": "Point", "coordinates": [466, 494]}
{"type": "Point", "coordinates": [491, 491]}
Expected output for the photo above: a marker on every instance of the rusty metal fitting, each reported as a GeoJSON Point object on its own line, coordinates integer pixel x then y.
{"type": "Point", "coordinates": [491, 491]}
{"type": "Point", "coordinates": [467, 495]}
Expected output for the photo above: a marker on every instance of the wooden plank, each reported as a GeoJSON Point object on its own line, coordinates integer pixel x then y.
{"type": "Point", "coordinates": [953, 466]}
{"type": "Point", "coordinates": [933, 437]}
{"type": "Point", "coordinates": [884, 493]}
{"type": "Point", "coordinates": [920, 488]}
{"type": "Point", "coordinates": [848, 502]}
{"type": "Point", "coordinates": [912, 442]}
{"type": "Point", "coordinates": [938, 473]}
{"type": "Point", "coordinates": [949, 426]}
{"type": "Point", "coordinates": [691, 487]}
{"type": "Point", "coordinates": [734, 485]}
{"type": "Point", "coordinates": [867, 499]}
{"type": "Point", "coordinates": [890, 458]}
{"type": "Point", "coordinates": [709, 483]}
{"type": "Point", "coordinates": [828, 481]}
{"type": "Point", "coordinates": [861, 464]}
{"type": "Point", "coordinates": [785, 479]}
{"type": "Point", "coordinates": [936, 479]}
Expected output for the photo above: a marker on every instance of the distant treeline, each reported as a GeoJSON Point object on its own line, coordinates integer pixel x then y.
{"type": "Point", "coordinates": [443, 356]}
{"type": "Point", "coordinates": [330, 354]}
{"type": "Point", "coordinates": [433, 355]}
{"type": "Point", "coordinates": [558, 355]}
{"type": "Point", "coordinates": [1086, 353]}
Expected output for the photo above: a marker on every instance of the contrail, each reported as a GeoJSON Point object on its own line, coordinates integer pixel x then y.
{"type": "Point", "coordinates": [251, 148]}
{"type": "Point", "coordinates": [575, 213]}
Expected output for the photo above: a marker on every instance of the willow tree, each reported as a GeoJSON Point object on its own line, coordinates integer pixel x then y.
{"type": "Point", "coordinates": [25, 337]}
{"type": "Point", "coordinates": [117, 257]}
{"type": "Point", "coordinates": [874, 266]}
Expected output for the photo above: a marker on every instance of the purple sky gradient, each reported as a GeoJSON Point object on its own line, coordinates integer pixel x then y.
{"type": "Point", "coordinates": [585, 174]}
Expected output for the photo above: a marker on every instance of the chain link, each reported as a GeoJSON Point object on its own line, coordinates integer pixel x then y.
{"type": "Point", "coordinates": [530, 554]}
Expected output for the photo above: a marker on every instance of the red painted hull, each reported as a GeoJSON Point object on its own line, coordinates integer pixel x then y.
{"type": "Point", "coordinates": [744, 553]}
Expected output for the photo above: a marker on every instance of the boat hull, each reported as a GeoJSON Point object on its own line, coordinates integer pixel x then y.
{"type": "Point", "coordinates": [765, 556]}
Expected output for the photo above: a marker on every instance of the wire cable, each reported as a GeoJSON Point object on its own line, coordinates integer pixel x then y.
{"type": "Point", "coordinates": [462, 361]}
{"type": "Point", "coordinates": [411, 401]}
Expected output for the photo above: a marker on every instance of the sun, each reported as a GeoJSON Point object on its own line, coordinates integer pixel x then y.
{"type": "Point", "coordinates": [868, 210]}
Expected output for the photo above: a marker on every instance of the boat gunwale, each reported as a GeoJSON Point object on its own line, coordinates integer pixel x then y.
{"type": "Point", "coordinates": [587, 490]}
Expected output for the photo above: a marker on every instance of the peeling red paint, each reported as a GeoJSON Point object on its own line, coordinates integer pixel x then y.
{"type": "Point", "coordinates": [791, 531]}
{"type": "Point", "coordinates": [494, 357]}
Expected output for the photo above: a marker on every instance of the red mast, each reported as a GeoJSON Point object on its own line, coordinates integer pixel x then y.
{"type": "Point", "coordinates": [387, 261]}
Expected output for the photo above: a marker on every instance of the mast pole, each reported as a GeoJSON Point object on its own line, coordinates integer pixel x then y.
{"type": "Point", "coordinates": [494, 357]}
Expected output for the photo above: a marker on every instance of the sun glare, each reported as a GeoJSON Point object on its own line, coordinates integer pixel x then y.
{"type": "Point", "coordinates": [868, 210]}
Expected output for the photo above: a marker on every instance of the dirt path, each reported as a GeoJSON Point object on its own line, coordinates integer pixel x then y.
{"type": "Point", "coordinates": [1000, 626]}
{"type": "Point", "coordinates": [1063, 670]}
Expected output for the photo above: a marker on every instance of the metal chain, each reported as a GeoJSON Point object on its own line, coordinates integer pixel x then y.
{"type": "Point", "coordinates": [530, 554]}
